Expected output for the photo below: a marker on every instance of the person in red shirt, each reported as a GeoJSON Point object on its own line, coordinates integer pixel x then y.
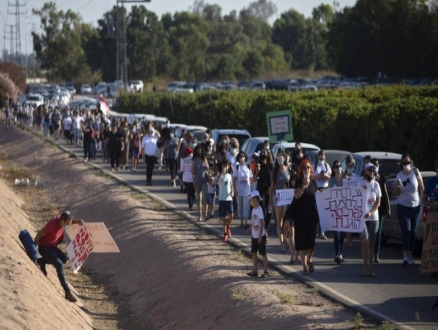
{"type": "Point", "coordinates": [47, 241]}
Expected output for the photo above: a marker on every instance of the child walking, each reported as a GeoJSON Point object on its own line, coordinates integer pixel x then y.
{"type": "Point", "coordinates": [258, 235]}
{"type": "Point", "coordinates": [226, 194]}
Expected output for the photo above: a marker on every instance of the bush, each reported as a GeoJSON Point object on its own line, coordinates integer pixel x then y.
{"type": "Point", "coordinates": [394, 119]}
{"type": "Point", "coordinates": [15, 73]}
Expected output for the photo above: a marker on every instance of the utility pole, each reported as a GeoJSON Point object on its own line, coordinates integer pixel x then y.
{"type": "Point", "coordinates": [11, 39]}
{"type": "Point", "coordinates": [4, 37]}
{"type": "Point", "coordinates": [17, 14]}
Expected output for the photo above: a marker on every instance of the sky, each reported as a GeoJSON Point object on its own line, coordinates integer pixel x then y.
{"type": "Point", "coordinates": [92, 10]}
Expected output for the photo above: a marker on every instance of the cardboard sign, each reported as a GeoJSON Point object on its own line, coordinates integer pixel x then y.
{"type": "Point", "coordinates": [186, 165]}
{"type": "Point", "coordinates": [342, 209]}
{"type": "Point", "coordinates": [284, 196]}
{"type": "Point", "coordinates": [79, 249]}
{"type": "Point", "coordinates": [279, 126]}
{"type": "Point", "coordinates": [100, 237]}
{"type": "Point", "coordinates": [429, 257]}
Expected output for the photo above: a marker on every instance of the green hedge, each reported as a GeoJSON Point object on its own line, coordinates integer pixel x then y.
{"type": "Point", "coordinates": [396, 119]}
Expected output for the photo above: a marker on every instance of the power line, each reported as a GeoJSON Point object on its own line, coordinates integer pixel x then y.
{"type": "Point", "coordinates": [17, 14]}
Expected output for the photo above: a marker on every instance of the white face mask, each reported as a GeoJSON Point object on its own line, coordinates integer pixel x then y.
{"type": "Point", "coordinates": [280, 161]}
{"type": "Point", "coordinates": [407, 167]}
{"type": "Point", "coordinates": [224, 141]}
{"type": "Point", "coordinates": [66, 227]}
{"type": "Point", "coordinates": [233, 151]}
{"type": "Point", "coordinates": [349, 170]}
{"type": "Point", "coordinates": [306, 176]}
{"type": "Point", "coordinates": [321, 161]}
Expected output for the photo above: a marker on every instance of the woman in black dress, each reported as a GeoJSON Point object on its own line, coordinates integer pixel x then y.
{"type": "Point", "coordinates": [115, 144]}
{"type": "Point", "coordinates": [304, 215]}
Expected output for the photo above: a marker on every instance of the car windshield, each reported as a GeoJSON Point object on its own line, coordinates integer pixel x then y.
{"type": "Point", "coordinates": [389, 168]}
{"type": "Point", "coordinates": [240, 138]}
{"type": "Point", "coordinates": [33, 98]}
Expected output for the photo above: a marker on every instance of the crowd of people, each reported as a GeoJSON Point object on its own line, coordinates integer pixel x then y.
{"type": "Point", "coordinates": [246, 185]}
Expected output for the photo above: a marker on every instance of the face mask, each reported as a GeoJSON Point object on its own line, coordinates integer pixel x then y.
{"type": "Point", "coordinates": [233, 150]}
{"type": "Point", "coordinates": [368, 177]}
{"type": "Point", "coordinates": [298, 151]}
{"type": "Point", "coordinates": [199, 152]}
{"type": "Point", "coordinates": [172, 135]}
{"type": "Point", "coordinates": [349, 170]}
{"type": "Point", "coordinates": [209, 149]}
{"type": "Point", "coordinates": [224, 141]}
{"type": "Point", "coordinates": [377, 170]}
{"type": "Point", "coordinates": [306, 176]}
{"type": "Point", "coordinates": [252, 203]}
{"type": "Point", "coordinates": [193, 145]}
{"type": "Point", "coordinates": [66, 227]}
{"type": "Point", "coordinates": [407, 167]}
{"type": "Point", "coordinates": [183, 140]}
{"type": "Point", "coordinates": [280, 161]}
{"type": "Point", "coordinates": [266, 147]}
{"type": "Point", "coordinates": [262, 157]}
{"type": "Point", "coordinates": [321, 161]}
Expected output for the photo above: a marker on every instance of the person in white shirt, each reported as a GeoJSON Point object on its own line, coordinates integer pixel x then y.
{"type": "Point", "coordinates": [149, 150]}
{"type": "Point", "coordinates": [67, 125]}
{"type": "Point", "coordinates": [77, 122]}
{"type": "Point", "coordinates": [322, 176]}
{"type": "Point", "coordinates": [258, 235]}
{"type": "Point", "coordinates": [187, 176]}
{"type": "Point", "coordinates": [369, 233]}
{"type": "Point", "coordinates": [226, 194]}
{"type": "Point", "coordinates": [242, 181]}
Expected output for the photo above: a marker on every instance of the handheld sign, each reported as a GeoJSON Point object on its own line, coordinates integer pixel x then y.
{"type": "Point", "coordinates": [186, 164]}
{"type": "Point", "coordinates": [100, 237]}
{"type": "Point", "coordinates": [429, 257]}
{"type": "Point", "coordinates": [284, 196]}
{"type": "Point", "coordinates": [342, 209]}
{"type": "Point", "coordinates": [279, 126]}
{"type": "Point", "coordinates": [79, 249]}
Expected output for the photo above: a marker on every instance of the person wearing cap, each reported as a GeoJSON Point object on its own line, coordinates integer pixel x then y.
{"type": "Point", "coordinates": [369, 233]}
{"type": "Point", "coordinates": [187, 176]}
{"type": "Point", "coordinates": [47, 241]}
{"type": "Point", "coordinates": [258, 235]}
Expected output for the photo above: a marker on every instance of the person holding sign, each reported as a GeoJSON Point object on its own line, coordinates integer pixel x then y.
{"type": "Point", "coordinates": [258, 235]}
{"type": "Point", "coordinates": [279, 180]}
{"type": "Point", "coordinates": [304, 215]}
{"type": "Point", "coordinates": [47, 241]}
{"type": "Point", "coordinates": [369, 233]}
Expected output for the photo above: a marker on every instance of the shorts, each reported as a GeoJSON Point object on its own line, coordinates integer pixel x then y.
{"type": "Point", "coordinates": [256, 247]}
{"type": "Point", "coordinates": [134, 152]}
{"type": "Point", "coordinates": [210, 198]}
{"type": "Point", "coordinates": [225, 208]}
{"type": "Point", "coordinates": [370, 230]}
{"type": "Point", "coordinates": [67, 134]}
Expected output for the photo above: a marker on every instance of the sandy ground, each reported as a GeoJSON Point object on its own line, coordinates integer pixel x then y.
{"type": "Point", "coordinates": [169, 275]}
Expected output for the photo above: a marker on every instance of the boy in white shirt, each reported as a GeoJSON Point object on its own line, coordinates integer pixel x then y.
{"type": "Point", "coordinates": [226, 193]}
{"type": "Point", "coordinates": [258, 235]}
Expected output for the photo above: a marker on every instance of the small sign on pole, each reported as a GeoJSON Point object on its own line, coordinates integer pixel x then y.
{"type": "Point", "coordinates": [279, 126]}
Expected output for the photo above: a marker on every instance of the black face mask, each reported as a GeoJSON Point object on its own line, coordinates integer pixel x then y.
{"type": "Point", "coordinates": [297, 152]}
{"type": "Point", "coordinates": [262, 157]}
{"type": "Point", "coordinates": [368, 177]}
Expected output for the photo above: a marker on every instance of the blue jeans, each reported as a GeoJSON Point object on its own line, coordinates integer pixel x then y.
{"type": "Point", "coordinates": [408, 217]}
{"type": "Point", "coordinates": [339, 237]}
{"type": "Point", "coordinates": [57, 258]}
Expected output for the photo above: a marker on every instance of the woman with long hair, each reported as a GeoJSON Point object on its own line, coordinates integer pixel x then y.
{"type": "Point", "coordinates": [199, 166]}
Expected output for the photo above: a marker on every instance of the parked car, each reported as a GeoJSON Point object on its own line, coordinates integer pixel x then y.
{"type": "Point", "coordinates": [330, 155]}
{"type": "Point", "coordinates": [240, 134]}
{"type": "Point", "coordinates": [136, 86]}
{"type": "Point", "coordinates": [175, 85]}
{"type": "Point", "coordinates": [85, 89]}
{"type": "Point", "coordinates": [253, 145]}
{"type": "Point", "coordinates": [290, 146]}
{"type": "Point", "coordinates": [189, 128]}
{"type": "Point", "coordinates": [257, 85]}
{"type": "Point", "coordinates": [389, 163]}
{"type": "Point", "coordinates": [34, 99]}
{"type": "Point", "coordinates": [391, 226]}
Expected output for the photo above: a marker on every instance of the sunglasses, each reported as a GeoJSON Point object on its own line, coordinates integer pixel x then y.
{"type": "Point", "coordinates": [306, 167]}
{"type": "Point", "coordinates": [406, 163]}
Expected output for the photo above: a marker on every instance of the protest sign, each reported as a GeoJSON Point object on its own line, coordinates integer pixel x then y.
{"type": "Point", "coordinates": [279, 126]}
{"type": "Point", "coordinates": [79, 249]}
{"type": "Point", "coordinates": [429, 257]}
{"type": "Point", "coordinates": [342, 209]}
{"type": "Point", "coordinates": [284, 196]}
{"type": "Point", "coordinates": [100, 237]}
{"type": "Point", "coordinates": [186, 164]}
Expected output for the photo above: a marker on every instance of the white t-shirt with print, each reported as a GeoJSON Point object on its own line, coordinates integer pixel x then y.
{"type": "Point", "coordinates": [373, 191]}
{"type": "Point", "coordinates": [322, 183]}
{"type": "Point", "coordinates": [243, 175]}
{"type": "Point", "coordinates": [224, 184]}
{"type": "Point", "coordinates": [257, 216]}
{"type": "Point", "coordinates": [409, 195]}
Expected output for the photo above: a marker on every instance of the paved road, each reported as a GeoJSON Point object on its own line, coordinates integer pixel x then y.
{"type": "Point", "coordinates": [398, 294]}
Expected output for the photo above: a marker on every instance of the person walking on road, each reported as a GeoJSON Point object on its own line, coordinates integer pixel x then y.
{"type": "Point", "coordinates": [199, 168]}
{"type": "Point", "coordinates": [384, 208]}
{"type": "Point", "coordinates": [47, 241]}
{"type": "Point", "coordinates": [171, 155]}
{"type": "Point", "coordinates": [134, 146]}
{"type": "Point", "coordinates": [409, 189]}
{"type": "Point", "coordinates": [187, 176]}
{"type": "Point", "coordinates": [369, 233]}
{"type": "Point", "coordinates": [149, 150]}
{"type": "Point", "coordinates": [322, 174]}
{"type": "Point", "coordinates": [242, 181]}
{"type": "Point", "coordinates": [114, 142]}
{"type": "Point", "coordinates": [226, 193]}
{"type": "Point", "coordinates": [258, 235]}
{"type": "Point", "coordinates": [124, 155]}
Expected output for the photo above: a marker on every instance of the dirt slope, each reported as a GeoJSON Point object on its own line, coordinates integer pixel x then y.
{"type": "Point", "coordinates": [173, 275]}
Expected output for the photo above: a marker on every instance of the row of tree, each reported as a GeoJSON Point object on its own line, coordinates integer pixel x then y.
{"type": "Point", "coordinates": [395, 37]}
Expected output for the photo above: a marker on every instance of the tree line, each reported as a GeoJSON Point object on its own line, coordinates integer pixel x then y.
{"type": "Point", "coordinates": [398, 38]}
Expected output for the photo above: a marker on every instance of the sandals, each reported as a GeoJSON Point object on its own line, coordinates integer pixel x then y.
{"type": "Point", "coordinates": [311, 267]}
{"type": "Point", "coordinates": [305, 273]}
{"type": "Point", "coordinates": [292, 261]}
{"type": "Point", "coordinates": [253, 274]}
{"type": "Point", "coordinates": [364, 273]}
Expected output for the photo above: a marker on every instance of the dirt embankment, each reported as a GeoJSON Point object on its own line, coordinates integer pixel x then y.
{"type": "Point", "coordinates": [169, 274]}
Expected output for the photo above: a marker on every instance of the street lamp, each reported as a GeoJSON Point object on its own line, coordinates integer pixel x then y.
{"type": "Point", "coordinates": [125, 51]}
